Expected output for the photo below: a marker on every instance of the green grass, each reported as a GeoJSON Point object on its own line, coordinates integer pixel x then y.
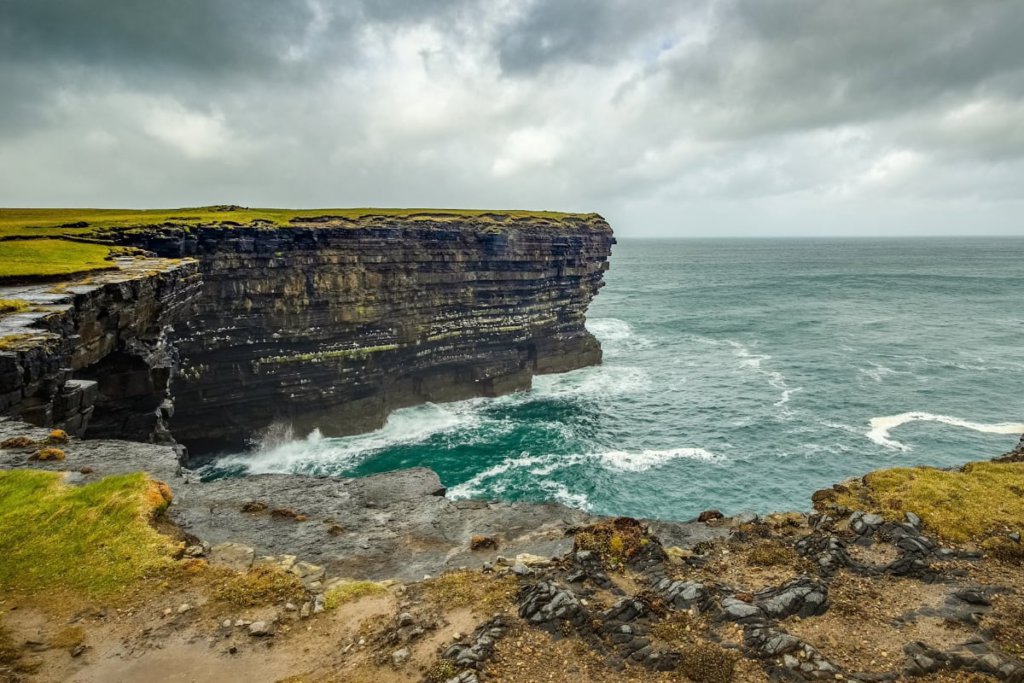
{"type": "Point", "coordinates": [981, 499]}
{"type": "Point", "coordinates": [261, 585]}
{"type": "Point", "coordinates": [13, 305]}
{"type": "Point", "coordinates": [88, 541]}
{"type": "Point", "coordinates": [348, 591]}
{"type": "Point", "coordinates": [56, 222]}
{"type": "Point", "coordinates": [57, 257]}
{"type": "Point", "coordinates": [50, 258]}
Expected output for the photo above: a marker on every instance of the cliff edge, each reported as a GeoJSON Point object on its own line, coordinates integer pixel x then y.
{"type": "Point", "coordinates": [332, 319]}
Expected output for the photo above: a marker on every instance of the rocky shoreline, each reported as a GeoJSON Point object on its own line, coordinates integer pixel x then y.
{"type": "Point", "coordinates": [782, 597]}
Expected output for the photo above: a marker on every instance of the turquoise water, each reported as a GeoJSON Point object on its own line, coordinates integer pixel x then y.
{"type": "Point", "coordinates": [738, 374]}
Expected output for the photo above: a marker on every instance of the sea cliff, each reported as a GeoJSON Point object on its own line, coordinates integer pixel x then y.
{"type": "Point", "coordinates": [325, 320]}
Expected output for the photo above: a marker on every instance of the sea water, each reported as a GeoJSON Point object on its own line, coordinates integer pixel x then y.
{"type": "Point", "coordinates": [739, 375]}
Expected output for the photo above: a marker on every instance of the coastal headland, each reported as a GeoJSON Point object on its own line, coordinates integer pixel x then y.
{"type": "Point", "coordinates": [131, 342]}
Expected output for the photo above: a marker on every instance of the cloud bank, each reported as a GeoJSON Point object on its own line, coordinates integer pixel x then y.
{"type": "Point", "coordinates": [725, 117]}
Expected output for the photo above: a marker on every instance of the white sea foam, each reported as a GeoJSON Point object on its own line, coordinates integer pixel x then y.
{"type": "Point", "coordinates": [640, 461]}
{"type": "Point", "coordinates": [560, 493]}
{"type": "Point", "coordinates": [881, 426]}
{"type": "Point", "coordinates": [610, 330]}
{"type": "Point", "coordinates": [616, 335]}
{"type": "Point", "coordinates": [487, 481]}
{"type": "Point", "coordinates": [405, 426]}
{"type": "Point", "coordinates": [878, 372]}
{"type": "Point", "coordinates": [598, 381]}
{"type": "Point", "coordinates": [753, 361]}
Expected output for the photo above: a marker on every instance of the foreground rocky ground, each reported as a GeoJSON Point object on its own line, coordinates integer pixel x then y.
{"type": "Point", "coordinates": [408, 586]}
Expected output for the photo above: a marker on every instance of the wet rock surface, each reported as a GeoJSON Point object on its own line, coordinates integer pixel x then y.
{"type": "Point", "coordinates": [92, 357]}
{"type": "Point", "coordinates": [395, 525]}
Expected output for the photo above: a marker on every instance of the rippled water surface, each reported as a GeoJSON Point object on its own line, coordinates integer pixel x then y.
{"type": "Point", "coordinates": [738, 374]}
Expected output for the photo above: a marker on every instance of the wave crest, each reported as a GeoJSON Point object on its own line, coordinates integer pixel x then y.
{"type": "Point", "coordinates": [881, 426]}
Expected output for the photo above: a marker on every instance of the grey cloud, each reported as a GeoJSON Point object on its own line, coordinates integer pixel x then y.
{"type": "Point", "coordinates": [203, 37]}
{"type": "Point", "coordinates": [582, 31]}
{"type": "Point", "coordinates": [793, 64]}
{"type": "Point", "coordinates": [644, 111]}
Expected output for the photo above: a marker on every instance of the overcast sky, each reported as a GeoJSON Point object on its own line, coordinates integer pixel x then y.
{"type": "Point", "coordinates": [719, 118]}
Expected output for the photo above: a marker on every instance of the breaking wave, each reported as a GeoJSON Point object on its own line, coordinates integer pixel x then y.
{"type": "Point", "coordinates": [881, 426]}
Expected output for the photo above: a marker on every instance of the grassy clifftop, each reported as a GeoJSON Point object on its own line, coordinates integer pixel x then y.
{"type": "Point", "coordinates": [88, 222]}
{"type": "Point", "coordinates": [41, 243]}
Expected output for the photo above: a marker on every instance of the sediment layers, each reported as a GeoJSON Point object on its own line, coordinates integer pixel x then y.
{"type": "Point", "coordinates": [92, 356]}
{"type": "Point", "coordinates": [332, 323]}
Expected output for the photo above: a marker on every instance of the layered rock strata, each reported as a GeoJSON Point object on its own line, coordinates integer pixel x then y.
{"type": "Point", "coordinates": [92, 357]}
{"type": "Point", "coordinates": [332, 324]}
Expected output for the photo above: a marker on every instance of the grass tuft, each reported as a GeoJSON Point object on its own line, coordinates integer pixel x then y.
{"type": "Point", "coordinates": [467, 588]}
{"type": "Point", "coordinates": [705, 662]}
{"type": "Point", "coordinates": [982, 499]}
{"type": "Point", "coordinates": [13, 305]}
{"type": "Point", "coordinates": [49, 454]}
{"type": "Point", "coordinates": [441, 670]}
{"type": "Point", "coordinates": [615, 541]}
{"type": "Point", "coordinates": [91, 541]}
{"type": "Point", "coordinates": [57, 436]}
{"type": "Point", "coordinates": [17, 442]}
{"type": "Point", "coordinates": [349, 591]}
{"type": "Point", "coordinates": [772, 554]}
{"type": "Point", "coordinates": [264, 584]}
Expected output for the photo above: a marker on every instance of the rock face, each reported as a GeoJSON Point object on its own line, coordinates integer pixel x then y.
{"type": "Point", "coordinates": [93, 357]}
{"type": "Point", "coordinates": [332, 324]}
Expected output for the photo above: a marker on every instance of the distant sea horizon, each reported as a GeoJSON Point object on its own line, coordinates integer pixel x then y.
{"type": "Point", "coordinates": [740, 373]}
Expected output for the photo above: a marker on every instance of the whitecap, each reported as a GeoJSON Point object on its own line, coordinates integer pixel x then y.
{"type": "Point", "coordinates": [878, 372]}
{"type": "Point", "coordinates": [610, 330]}
{"type": "Point", "coordinates": [616, 335]}
{"type": "Point", "coordinates": [641, 461]}
{"type": "Point", "coordinates": [560, 493]}
{"type": "Point", "coordinates": [317, 454]}
{"type": "Point", "coordinates": [881, 426]}
{"type": "Point", "coordinates": [487, 481]}
{"type": "Point", "coordinates": [598, 381]}
{"type": "Point", "coordinates": [754, 361]}
{"type": "Point", "coordinates": [474, 486]}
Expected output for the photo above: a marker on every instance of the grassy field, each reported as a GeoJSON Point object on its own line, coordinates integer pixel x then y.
{"type": "Point", "coordinates": [84, 222]}
{"type": "Point", "coordinates": [50, 258]}
{"type": "Point", "coordinates": [57, 257]}
{"type": "Point", "coordinates": [87, 541]}
{"type": "Point", "coordinates": [983, 498]}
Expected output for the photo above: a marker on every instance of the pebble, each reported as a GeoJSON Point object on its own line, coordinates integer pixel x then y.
{"type": "Point", "coordinates": [520, 569]}
{"type": "Point", "coordinates": [400, 657]}
{"type": "Point", "coordinates": [260, 629]}
{"type": "Point", "coordinates": [184, 607]}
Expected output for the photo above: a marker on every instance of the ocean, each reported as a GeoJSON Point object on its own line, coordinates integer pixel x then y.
{"type": "Point", "coordinates": [740, 375]}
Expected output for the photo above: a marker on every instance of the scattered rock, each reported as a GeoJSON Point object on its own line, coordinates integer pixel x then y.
{"type": "Point", "coordinates": [233, 555]}
{"type": "Point", "coordinates": [710, 515]}
{"type": "Point", "coordinates": [520, 569]}
{"type": "Point", "coordinates": [483, 543]}
{"type": "Point", "coordinates": [400, 657]}
{"type": "Point", "coordinates": [261, 629]}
